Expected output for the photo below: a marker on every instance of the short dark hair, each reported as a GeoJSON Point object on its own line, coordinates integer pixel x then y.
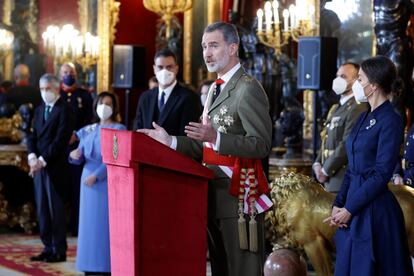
{"type": "Point", "coordinates": [228, 30]}
{"type": "Point", "coordinates": [115, 107]}
{"type": "Point", "coordinates": [355, 65]}
{"type": "Point", "coordinates": [166, 52]}
{"type": "Point", "coordinates": [381, 70]}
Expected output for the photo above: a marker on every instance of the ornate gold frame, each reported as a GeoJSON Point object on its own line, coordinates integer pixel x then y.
{"type": "Point", "coordinates": [108, 17]}
{"type": "Point", "coordinates": [213, 14]}
{"type": "Point", "coordinates": [8, 60]}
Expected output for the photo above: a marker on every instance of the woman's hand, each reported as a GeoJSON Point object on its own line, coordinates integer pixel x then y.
{"type": "Point", "coordinates": [398, 180]}
{"type": "Point", "coordinates": [342, 217]}
{"type": "Point", "coordinates": [76, 154]}
{"type": "Point", "coordinates": [90, 180]}
{"type": "Point", "coordinates": [329, 220]}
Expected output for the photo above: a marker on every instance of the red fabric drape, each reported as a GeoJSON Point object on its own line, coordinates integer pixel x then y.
{"type": "Point", "coordinates": [227, 5]}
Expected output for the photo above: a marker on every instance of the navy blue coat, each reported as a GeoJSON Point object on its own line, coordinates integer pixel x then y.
{"type": "Point", "coordinates": [375, 241]}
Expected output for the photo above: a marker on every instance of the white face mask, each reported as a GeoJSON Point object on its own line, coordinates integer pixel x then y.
{"type": "Point", "coordinates": [48, 96]}
{"type": "Point", "coordinates": [339, 85]}
{"type": "Point", "coordinates": [359, 93]}
{"type": "Point", "coordinates": [165, 77]}
{"type": "Point", "coordinates": [203, 98]}
{"type": "Point", "coordinates": [104, 111]}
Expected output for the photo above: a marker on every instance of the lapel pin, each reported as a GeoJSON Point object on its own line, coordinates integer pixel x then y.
{"type": "Point", "coordinates": [371, 123]}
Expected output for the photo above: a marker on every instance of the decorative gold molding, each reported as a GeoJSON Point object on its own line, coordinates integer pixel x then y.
{"type": "Point", "coordinates": [308, 110]}
{"type": "Point", "coordinates": [108, 17]}
{"type": "Point", "coordinates": [317, 6]}
{"type": "Point", "coordinates": [83, 15]}
{"type": "Point", "coordinates": [14, 155]}
{"type": "Point", "coordinates": [213, 11]}
{"type": "Point", "coordinates": [188, 41]}
{"type": "Point", "coordinates": [8, 60]}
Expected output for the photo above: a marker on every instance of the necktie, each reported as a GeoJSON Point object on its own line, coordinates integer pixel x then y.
{"type": "Point", "coordinates": [161, 102]}
{"type": "Point", "coordinates": [217, 91]}
{"type": "Point", "coordinates": [47, 112]}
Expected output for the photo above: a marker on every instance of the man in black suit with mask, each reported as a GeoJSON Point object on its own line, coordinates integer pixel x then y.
{"type": "Point", "coordinates": [170, 105]}
{"type": "Point", "coordinates": [52, 129]}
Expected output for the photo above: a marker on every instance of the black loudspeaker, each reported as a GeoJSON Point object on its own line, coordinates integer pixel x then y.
{"type": "Point", "coordinates": [128, 66]}
{"type": "Point", "coordinates": [317, 62]}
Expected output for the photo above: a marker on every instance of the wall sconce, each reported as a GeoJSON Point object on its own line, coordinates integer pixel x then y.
{"type": "Point", "coordinates": [6, 42]}
{"type": "Point", "coordinates": [66, 44]}
{"type": "Point", "coordinates": [298, 20]}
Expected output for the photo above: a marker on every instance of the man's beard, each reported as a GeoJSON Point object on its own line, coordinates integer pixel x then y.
{"type": "Point", "coordinates": [220, 64]}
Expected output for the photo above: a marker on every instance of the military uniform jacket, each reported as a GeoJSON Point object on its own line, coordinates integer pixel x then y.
{"type": "Point", "coordinates": [405, 168]}
{"type": "Point", "coordinates": [244, 106]}
{"type": "Point", "coordinates": [332, 155]}
{"type": "Point", "coordinates": [80, 102]}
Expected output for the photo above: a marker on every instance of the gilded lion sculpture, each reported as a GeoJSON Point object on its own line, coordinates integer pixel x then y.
{"type": "Point", "coordinates": [300, 206]}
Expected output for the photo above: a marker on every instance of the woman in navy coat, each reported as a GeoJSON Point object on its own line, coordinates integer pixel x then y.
{"type": "Point", "coordinates": [371, 238]}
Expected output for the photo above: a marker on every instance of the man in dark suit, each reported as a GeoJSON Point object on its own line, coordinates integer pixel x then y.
{"type": "Point", "coordinates": [80, 102]}
{"type": "Point", "coordinates": [22, 92]}
{"type": "Point", "coordinates": [52, 128]}
{"type": "Point", "coordinates": [170, 105]}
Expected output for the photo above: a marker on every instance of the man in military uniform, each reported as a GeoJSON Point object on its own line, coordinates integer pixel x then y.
{"type": "Point", "coordinates": [236, 125]}
{"type": "Point", "coordinates": [80, 102]}
{"type": "Point", "coordinates": [404, 170]}
{"type": "Point", "coordinates": [330, 165]}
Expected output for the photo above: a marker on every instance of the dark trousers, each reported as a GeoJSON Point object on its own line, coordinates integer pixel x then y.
{"type": "Point", "coordinates": [51, 214]}
{"type": "Point", "coordinates": [75, 178]}
{"type": "Point", "coordinates": [227, 259]}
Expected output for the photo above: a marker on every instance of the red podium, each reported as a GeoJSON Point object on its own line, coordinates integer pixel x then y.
{"type": "Point", "coordinates": [157, 207]}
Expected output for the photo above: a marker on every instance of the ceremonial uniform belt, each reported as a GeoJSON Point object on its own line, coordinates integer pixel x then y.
{"type": "Point", "coordinates": [405, 164]}
{"type": "Point", "coordinates": [249, 185]}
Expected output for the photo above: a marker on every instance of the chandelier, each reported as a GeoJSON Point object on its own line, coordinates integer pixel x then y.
{"type": "Point", "coordinates": [298, 20]}
{"type": "Point", "coordinates": [6, 42]}
{"type": "Point", "coordinates": [67, 44]}
{"type": "Point", "coordinates": [166, 10]}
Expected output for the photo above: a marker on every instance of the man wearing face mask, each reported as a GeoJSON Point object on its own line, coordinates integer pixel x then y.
{"type": "Point", "coordinates": [80, 102]}
{"type": "Point", "coordinates": [331, 162]}
{"type": "Point", "coordinates": [170, 105]}
{"type": "Point", "coordinates": [78, 99]}
{"type": "Point", "coordinates": [52, 128]}
{"type": "Point", "coordinates": [204, 88]}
